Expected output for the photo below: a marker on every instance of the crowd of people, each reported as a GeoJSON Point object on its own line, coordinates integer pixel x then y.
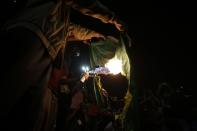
{"type": "Point", "coordinates": [167, 108]}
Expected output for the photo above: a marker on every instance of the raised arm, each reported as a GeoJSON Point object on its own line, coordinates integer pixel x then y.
{"type": "Point", "coordinates": [77, 32]}
{"type": "Point", "coordinates": [96, 9]}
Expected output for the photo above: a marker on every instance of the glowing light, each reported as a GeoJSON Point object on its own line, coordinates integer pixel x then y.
{"type": "Point", "coordinates": [85, 68]}
{"type": "Point", "coordinates": [114, 65]}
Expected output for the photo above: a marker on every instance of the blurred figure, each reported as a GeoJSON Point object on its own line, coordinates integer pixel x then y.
{"type": "Point", "coordinates": [70, 115]}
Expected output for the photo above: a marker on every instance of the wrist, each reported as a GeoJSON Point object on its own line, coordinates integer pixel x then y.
{"type": "Point", "coordinates": [82, 79]}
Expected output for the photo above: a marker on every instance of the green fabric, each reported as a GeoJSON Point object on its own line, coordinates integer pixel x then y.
{"type": "Point", "coordinates": [104, 50]}
{"type": "Point", "coordinates": [100, 53]}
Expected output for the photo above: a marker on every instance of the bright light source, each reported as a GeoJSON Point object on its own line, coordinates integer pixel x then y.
{"type": "Point", "coordinates": [114, 65]}
{"type": "Point", "coordinates": [85, 68]}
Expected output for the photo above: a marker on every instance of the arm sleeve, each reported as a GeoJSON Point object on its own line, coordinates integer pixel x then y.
{"type": "Point", "coordinates": [93, 8]}
{"type": "Point", "coordinates": [78, 32]}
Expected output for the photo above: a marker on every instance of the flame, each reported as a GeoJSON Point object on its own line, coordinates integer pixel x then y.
{"type": "Point", "coordinates": [114, 65]}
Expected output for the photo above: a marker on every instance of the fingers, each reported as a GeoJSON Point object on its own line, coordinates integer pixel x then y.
{"type": "Point", "coordinates": [120, 25]}
{"type": "Point", "coordinates": [87, 42]}
{"type": "Point", "coordinates": [85, 77]}
{"type": "Point", "coordinates": [104, 92]}
{"type": "Point", "coordinates": [94, 38]}
{"type": "Point", "coordinates": [98, 35]}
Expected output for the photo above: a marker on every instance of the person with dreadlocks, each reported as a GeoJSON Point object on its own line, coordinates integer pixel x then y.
{"type": "Point", "coordinates": [36, 37]}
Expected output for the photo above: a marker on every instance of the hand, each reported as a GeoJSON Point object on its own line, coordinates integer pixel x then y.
{"type": "Point", "coordinates": [95, 37]}
{"type": "Point", "coordinates": [84, 77]}
{"type": "Point", "coordinates": [98, 36]}
{"type": "Point", "coordinates": [121, 26]}
{"type": "Point", "coordinates": [104, 92]}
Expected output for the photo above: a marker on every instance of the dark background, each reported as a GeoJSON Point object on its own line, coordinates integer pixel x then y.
{"type": "Point", "coordinates": [163, 47]}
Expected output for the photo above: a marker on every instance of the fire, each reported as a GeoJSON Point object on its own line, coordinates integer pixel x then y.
{"type": "Point", "coordinates": [114, 65]}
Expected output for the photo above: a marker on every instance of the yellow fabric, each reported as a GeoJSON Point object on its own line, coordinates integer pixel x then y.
{"type": "Point", "coordinates": [102, 51]}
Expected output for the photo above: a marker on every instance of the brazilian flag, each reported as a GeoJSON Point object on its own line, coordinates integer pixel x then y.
{"type": "Point", "coordinates": [100, 53]}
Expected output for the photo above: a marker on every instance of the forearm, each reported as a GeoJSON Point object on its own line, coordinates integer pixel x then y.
{"type": "Point", "coordinates": [78, 32]}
